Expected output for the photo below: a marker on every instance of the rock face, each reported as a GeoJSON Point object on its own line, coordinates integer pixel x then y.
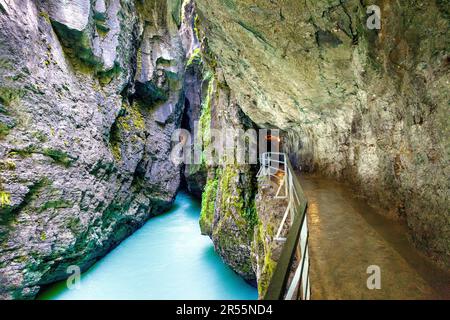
{"type": "Point", "coordinates": [90, 93]}
{"type": "Point", "coordinates": [196, 90]}
{"type": "Point", "coordinates": [368, 106]}
{"type": "Point", "coordinates": [227, 189]}
{"type": "Point", "coordinates": [228, 213]}
{"type": "Point", "coordinates": [196, 94]}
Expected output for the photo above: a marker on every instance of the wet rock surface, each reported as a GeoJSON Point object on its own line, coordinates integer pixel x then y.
{"type": "Point", "coordinates": [84, 157]}
{"type": "Point", "coordinates": [367, 106]}
{"type": "Point", "coordinates": [228, 202]}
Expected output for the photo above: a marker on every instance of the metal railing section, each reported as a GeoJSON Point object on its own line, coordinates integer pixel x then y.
{"type": "Point", "coordinates": [276, 167]}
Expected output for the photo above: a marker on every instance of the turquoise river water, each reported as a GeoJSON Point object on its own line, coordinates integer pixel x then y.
{"type": "Point", "coordinates": [167, 258]}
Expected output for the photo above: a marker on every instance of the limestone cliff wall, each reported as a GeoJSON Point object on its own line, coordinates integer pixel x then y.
{"type": "Point", "coordinates": [227, 189]}
{"type": "Point", "coordinates": [228, 214]}
{"type": "Point", "coordinates": [367, 106]}
{"type": "Point", "coordinates": [90, 93]}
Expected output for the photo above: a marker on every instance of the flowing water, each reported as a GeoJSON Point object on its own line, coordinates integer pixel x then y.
{"type": "Point", "coordinates": [167, 258]}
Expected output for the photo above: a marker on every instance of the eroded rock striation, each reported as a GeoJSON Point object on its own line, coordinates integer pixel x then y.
{"type": "Point", "coordinates": [90, 93]}
{"type": "Point", "coordinates": [366, 105]}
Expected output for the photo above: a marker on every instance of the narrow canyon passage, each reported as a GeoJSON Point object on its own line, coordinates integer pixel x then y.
{"type": "Point", "coordinates": [109, 107]}
{"type": "Point", "coordinates": [347, 236]}
{"type": "Point", "coordinates": [167, 258]}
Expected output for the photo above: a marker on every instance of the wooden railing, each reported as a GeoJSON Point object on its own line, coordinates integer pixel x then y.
{"type": "Point", "coordinates": [276, 167]}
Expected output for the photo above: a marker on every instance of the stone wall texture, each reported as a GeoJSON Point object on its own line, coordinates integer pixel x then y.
{"type": "Point", "coordinates": [368, 106]}
{"type": "Point", "coordinates": [90, 93]}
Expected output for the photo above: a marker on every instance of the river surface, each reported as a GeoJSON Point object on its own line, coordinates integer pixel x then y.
{"type": "Point", "coordinates": [167, 258]}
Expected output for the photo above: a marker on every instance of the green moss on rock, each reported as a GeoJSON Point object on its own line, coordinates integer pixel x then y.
{"type": "Point", "coordinates": [5, 198]}
{"type": "Point", "coordinates": [205, 119]}
{"type": "Point", "coordinates": [9, 95]}
{"type": "Point", "coordinates": [103, 169]}
{"type": "Point", "coordinates": [195, 58]}
{"type": "Point", "coordinates": [7, 165]}
{"type": "Point", "coordinates": [8, 212]}
{"type": "Point", "coordinates": [100, 23]}
{"type": "Point", "coordinates": [58, 156]}
{"type": "Point", "coordinates": [268, 266]}
{"type": "Point", "coordinates": [149, 93]}
{"type": "Point", "coordinates": [266, 275]}
{"type": "Point", "coordinates": [74, 224]}
{"type": "Point", "coordinates": [237, 199]}
{"type": "Point", "coordinates": [176, 11]}
{"type": "Point", "coordinates": [105, 77]}
{"type": "Point", "coordinates": [40, 136]}
{"type": "Point", "coordinates": [208, 205]}
{"type": "Point", "coordinates": [55, 204]}
{"type": "Point", "coordinates": [45, 15]}
{"type": "Point", "coordinates": [129, 122]}
{"type": "Point", "coordinates": [77, 45]}
{"type": "Point", "coordinates": [115, 141]}
{"type": "Point", "coordinates": [4, 130]}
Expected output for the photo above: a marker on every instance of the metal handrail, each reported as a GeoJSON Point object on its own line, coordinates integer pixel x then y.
{"type": "Point", "coordinates": [296, 241]}
{"type": "Point", "coordinates": [268, 171]}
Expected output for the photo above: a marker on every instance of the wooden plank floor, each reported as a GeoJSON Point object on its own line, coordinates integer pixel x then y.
{"type": "Point", "coordinates": [347, 236]}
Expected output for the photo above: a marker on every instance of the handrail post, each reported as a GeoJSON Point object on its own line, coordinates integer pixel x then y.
{"type": "Point", "coordinates": [296, 241]}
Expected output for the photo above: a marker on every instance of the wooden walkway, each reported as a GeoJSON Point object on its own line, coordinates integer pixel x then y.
{"type": "Point", "coordinates": [347, 236]}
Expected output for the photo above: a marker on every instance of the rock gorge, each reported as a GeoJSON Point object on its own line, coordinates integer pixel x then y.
{"type": "Point", "coordinates": [91, 92]}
